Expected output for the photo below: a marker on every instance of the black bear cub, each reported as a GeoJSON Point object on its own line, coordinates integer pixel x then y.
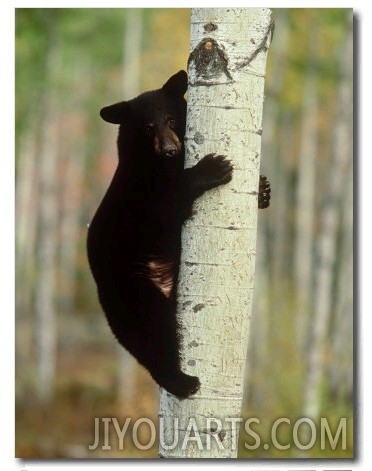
{"type": "Point", "coordinates": [134, 239]}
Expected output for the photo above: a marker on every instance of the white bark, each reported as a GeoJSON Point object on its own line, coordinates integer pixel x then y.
{"type": "Point", "coordinates": [74, 161]}
{"type": "Point", "coordinates": [132, 46]}
{"type": "Point", "coordinates": [25, 238]}
{"type": "Point", "coordinates": [47, 242]}
{"type": "Point", "coordinates": [215, 288]}
{"type": "Point", "coordinates": [275, 145]}
{"type": "Point", "coordinates": [327, 243]}
{"type": "Point", "coordinates": [340, 369]}
{"type": "Point", "coordinates": [304, 239]}
{"type": "Point", "coordinates": [271, 222]}
{"type": "Point", "coordinates": [26, 215]}
{"type": "Point", "coordinates": [131, 78]}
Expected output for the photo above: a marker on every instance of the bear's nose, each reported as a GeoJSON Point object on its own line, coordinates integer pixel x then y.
{"type": "Point", "coordinates": [169, 151]}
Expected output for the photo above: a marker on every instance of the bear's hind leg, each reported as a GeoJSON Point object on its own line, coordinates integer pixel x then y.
{"type": "Point", "coordinates": [164, 338]}
{"type": "Point", "coordinates": [148, 329]}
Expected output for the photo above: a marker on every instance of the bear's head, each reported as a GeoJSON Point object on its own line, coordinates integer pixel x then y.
{"type": "Point", "coordinates": [155, 119]}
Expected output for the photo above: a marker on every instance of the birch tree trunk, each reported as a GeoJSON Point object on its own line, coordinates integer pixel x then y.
{"type": "Point", "coordinates": [131, 78]}
{"type": "Point", "coordinates": [225, 100]}
{"type": "Point", "coordinates": [276, 145]}
{"type": "Point", "coordinates": [340, 372]}
{"type": "Point", "coordinates": [273, 221]}
{"type": "Point", "coordinates": [74, 162]}
{"type": "Point", "coordinates": [47, 241]}
{"type": "Point", "coordinates": [26, 211]}
{"type": "Point", "coordinates": [304, 239]}
{"type": "Point", "coordinates": [327, 243]}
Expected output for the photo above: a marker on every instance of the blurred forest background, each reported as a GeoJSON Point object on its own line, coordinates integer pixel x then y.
{"type": "Point", "coordinates": [69, 369]}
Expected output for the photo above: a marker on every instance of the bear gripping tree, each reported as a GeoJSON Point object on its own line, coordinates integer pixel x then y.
{"type": "Point", "coordinates": [225, 99]}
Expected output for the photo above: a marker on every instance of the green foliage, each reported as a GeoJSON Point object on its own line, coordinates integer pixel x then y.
{"type": "Point", "coordinates": [309, 30]}
{"type": "Point", "coordinates": [31, 46]}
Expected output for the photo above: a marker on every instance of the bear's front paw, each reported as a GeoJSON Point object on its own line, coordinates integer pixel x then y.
{"type": "Point", "coordinates": [213, 170]}
{"type": "Point", "coordinates": [264, 193]}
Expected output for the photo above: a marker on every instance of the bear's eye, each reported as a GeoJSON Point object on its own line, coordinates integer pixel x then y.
{"type": "Point", "coordinates": [171, 122]}
{"type": "Point", "coordinates": [150, 129]}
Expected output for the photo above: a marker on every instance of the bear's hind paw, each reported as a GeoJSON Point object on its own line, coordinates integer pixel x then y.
{"type": "Point", "coordinates": [182, 385]}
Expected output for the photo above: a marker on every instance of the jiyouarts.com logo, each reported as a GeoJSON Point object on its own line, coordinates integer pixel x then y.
{"type": "Point", "coordinates": [303, 433]}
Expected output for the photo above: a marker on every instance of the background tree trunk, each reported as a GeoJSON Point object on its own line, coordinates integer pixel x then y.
{"type": "Point", "coordinates": [225, 101]}
{"type": "Point", "coordinates": [327, 241]}
{"type": "Point", "coordinates": [131, 79]}
{"type": "Point", "coordinates": [27, 217]}
{"type": "Point", "coordinates": [339, 372]}
{"type": "Point", "coordinates": [304, 230]}
{"type": "Point", "coordinates": [270, 224]}
{"type": "Point", "coordinates": [47, 232]}
{"type": "Point", "coordinates": [71, 192]}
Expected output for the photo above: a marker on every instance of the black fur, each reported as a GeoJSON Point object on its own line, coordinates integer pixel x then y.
{"type": "Point", "coordinates": [134, 240]}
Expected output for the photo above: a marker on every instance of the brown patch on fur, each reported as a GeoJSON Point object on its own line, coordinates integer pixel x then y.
{"type": "Point", "coordinates": [160, 272]}
{"type": "Point", "coordinates": [168, 138]}
{"type": "Point", "coordinates": [157, 145]}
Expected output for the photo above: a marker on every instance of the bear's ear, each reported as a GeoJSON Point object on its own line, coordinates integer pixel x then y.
{"type": "Point", "coordinates": [177, 84]}
{"type": "Point", "coordinates": [115, 114]}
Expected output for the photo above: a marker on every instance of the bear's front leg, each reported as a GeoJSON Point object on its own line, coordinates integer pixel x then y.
{"type": "Point", "coordinates": [211, 171]}
{"type": "Point", "coordinates": [214, 170]}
